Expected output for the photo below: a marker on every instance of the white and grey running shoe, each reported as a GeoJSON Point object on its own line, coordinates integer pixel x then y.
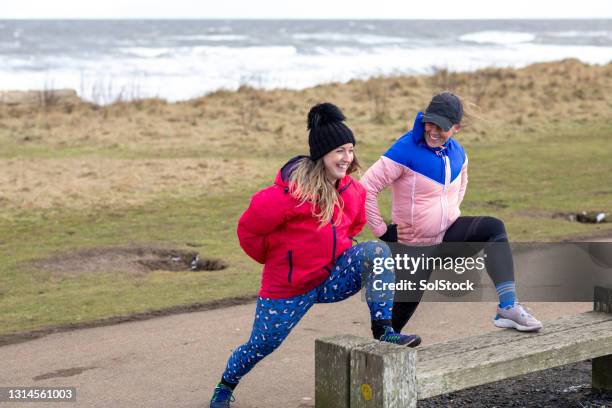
{"type": "Point", "coordinates": [516, 317]}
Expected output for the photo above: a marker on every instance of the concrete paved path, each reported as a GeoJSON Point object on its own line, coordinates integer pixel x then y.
{"type": "Point", "coordinates": [175, 361]}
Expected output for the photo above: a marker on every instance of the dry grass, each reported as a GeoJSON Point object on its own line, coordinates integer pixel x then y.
{"type": "Point", "coordinates": [241, 127]}
{"type": "Point", "coordinates": [541, 91]}
{"type": "Point", "coordinates": [79, 183]}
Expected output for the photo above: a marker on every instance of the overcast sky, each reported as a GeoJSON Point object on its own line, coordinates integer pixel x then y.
{"type": "Point", "coordinates": [339, 9]}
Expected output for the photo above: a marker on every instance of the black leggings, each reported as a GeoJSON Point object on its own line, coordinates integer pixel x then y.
{"type": "Point", "coordinates": [481, 231]}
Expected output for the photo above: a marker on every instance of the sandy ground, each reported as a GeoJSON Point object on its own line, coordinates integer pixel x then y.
{"type": "Point", "coordinates": [175, 361]}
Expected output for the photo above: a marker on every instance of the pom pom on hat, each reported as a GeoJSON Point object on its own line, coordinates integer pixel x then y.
{"type": "Point", "coordinates": [323, 114]}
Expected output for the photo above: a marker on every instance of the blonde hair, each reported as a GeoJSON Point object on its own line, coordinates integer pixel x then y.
{"type": "Point", "coordinates": [308, 183]}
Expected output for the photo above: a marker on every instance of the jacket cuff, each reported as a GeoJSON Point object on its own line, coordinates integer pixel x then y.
{"type": "Point", "coordinates": [391, 234]}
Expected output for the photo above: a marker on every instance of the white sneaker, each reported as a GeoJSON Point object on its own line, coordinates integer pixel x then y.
{"type": "Point", "coordinates": [516, 317]}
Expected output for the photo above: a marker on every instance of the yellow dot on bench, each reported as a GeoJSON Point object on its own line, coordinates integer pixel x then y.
{"type": "Point", "coordinates": [366, 391]}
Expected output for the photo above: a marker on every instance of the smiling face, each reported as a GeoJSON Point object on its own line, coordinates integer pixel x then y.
{"type": "Point", "coordinates": [338, 161]}
{"type": "Point", "coordinates": [435, 136]}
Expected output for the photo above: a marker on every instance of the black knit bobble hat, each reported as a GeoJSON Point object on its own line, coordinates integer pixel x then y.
{"type": "Point", "coordinates": [327, 130]}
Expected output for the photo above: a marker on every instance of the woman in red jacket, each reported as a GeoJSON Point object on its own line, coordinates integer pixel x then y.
{"type": "Point", "coordinates": [301, 229]}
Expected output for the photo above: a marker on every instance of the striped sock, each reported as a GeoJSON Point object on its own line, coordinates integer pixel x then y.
{"type": "Point", "coordinates": [506, 291]}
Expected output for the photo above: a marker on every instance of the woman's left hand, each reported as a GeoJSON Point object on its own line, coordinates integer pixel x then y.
{"type": "Point", "coordinates": [405, 232]}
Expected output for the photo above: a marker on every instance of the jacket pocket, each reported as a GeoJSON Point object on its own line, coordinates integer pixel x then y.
{"type": "Point", "coordinates": [290, 259]}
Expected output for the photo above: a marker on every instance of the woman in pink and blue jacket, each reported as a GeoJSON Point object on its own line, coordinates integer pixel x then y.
{"type": "Point", "coordinates": [427, 170]}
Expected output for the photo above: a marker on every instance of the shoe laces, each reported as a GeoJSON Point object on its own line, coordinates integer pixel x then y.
{"type": "Point", "coordinates": [525, 310]}
{"type": "Point", "coordinates": [391, 336]}
{"type": "Point", "coordinates": [223, 393]}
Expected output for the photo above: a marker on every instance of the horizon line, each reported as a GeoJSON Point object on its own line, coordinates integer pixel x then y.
{"type": "Point", "coordinates": [297, 19]}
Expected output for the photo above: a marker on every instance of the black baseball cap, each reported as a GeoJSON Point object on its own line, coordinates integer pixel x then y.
{"type": "Point", "coordinates": [444, 110]}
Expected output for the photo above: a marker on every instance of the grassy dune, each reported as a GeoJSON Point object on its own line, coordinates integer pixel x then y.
{"type": "Point", "coordinates": [152, 173]}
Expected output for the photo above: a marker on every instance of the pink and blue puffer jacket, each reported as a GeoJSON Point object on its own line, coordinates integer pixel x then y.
{"type": "Point", "coordinates": [428, 185]}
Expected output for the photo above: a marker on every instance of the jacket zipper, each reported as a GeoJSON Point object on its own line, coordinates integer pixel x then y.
{"type": "Point", "coordinates": [290, 258]}
{"type": "Point", "coordinates": [333, 260]}
{"type": "Point", "coordinates": [345, 187]}
{"type": "Point", "coordinates": [439, 154]}
{"type": "Point", "coordinates": [334, 247]}
{"type": "Point", "coordinates": [444, 198]}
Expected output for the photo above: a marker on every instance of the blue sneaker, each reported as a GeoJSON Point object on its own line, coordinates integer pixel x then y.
{"type": "Point", "coordinates": [222, 396]}
{"type": "Point", "coordinates": [390, 336]}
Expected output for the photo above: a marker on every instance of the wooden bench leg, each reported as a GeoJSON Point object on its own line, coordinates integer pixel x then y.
{"type": "Point", "coordinates": [332, 369]}
{"type": "Point", "coordinates": [602, 366]}
{"type": "Point", "coordinates": [383, 375]}
{"type": "Point", "coordinates": [602, 374]}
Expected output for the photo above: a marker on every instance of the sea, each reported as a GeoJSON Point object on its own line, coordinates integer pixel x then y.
{"type": "Point", "coordinates": [106, 60]}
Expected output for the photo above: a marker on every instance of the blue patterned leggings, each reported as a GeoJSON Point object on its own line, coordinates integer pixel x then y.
{"type": "Point", "coordinates": [275, 318]}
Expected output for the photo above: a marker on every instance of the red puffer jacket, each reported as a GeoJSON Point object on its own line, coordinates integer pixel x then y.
{"type": "Point", "coordinates": [286, 238]}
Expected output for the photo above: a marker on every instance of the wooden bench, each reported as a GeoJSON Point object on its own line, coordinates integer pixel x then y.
{"type": "Point", "coordinates": [355, 372]}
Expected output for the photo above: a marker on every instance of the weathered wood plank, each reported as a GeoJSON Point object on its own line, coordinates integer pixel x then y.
{"type": "Point", "coordinates": [332, 369]}
{"type": "Point", "coordinates": [551, 328]}
{"type": "Point", "coordinates": [473, 361]}
{"type": "Point", "coordinates": [383, 376]}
